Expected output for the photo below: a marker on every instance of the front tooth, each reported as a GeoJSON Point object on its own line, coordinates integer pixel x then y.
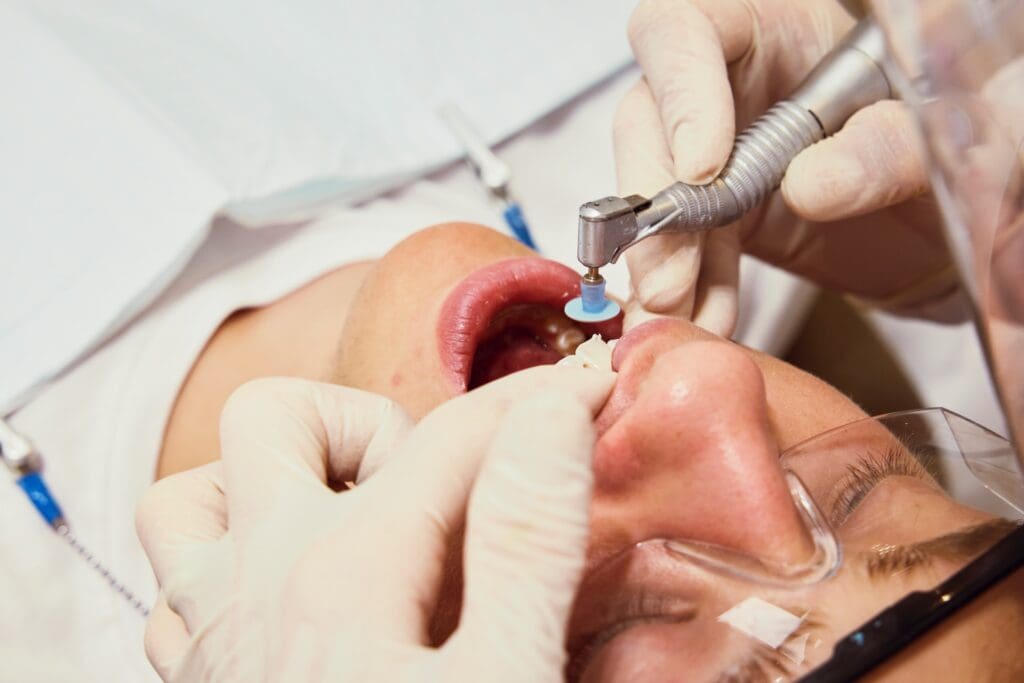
{"type": "Point", "coordinates": [594, 353]}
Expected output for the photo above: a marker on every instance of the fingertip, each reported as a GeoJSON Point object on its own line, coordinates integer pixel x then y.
{"type": "Point", "coordinates": [165, 638]}
{"type": "Point", "coordinates": [663, 273]}
{"type": "Point", "coordinates": [702, 142]}
{"type": "Point", "coordinates": [822, 183]}
{"type": "Point", "coordinates": [683, 56]}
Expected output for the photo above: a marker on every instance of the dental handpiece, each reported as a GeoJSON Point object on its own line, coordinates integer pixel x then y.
{"type": "Point", "coordinates": [847, 79]}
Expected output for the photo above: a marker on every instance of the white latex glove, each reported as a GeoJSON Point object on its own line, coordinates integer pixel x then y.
{"type": "Point", "coordinates": [710, 68]}
{"type": "Point", "coordinates": [268, 574]}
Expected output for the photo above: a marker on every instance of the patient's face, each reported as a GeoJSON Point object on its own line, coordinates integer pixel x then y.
{"type": "Point", "coordinates": [688, 448]}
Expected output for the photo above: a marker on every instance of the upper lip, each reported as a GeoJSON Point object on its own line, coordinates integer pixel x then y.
{"type": "Point", "coordinates": [473, 303]}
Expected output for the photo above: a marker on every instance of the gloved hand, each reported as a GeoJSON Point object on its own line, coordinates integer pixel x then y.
{"type": "Point", "coordinates": [852, 214]}
{"type": "Point", "coordinates": [266, 573]}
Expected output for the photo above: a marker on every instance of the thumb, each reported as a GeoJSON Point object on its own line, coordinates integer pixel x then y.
{"type": "Point", "coordinates": [526, 539]}
{"type": "Point", "coordinates": [874, 162]}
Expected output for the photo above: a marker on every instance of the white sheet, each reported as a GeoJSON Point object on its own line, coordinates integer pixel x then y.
{"type": "Point", "coordinates": [127, 124]}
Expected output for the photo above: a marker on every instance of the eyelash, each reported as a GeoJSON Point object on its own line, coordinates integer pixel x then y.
{"type": "Point", "coordinates": [867, 473]}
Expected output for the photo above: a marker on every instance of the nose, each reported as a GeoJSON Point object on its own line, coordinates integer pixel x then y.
{"type": "Point", "coordinates": [694, 458]}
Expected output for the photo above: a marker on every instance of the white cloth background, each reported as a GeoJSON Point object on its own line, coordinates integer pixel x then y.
{"type": "Point", "coordinates": [126, 125]}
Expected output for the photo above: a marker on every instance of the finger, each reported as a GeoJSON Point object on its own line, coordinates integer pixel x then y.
{"type": "Point", "coordinates": [166, 639]}
{"type": "Point", "coordinates": [683, 49]}
{"type": "Point", "coordinates": [278, 434]}
{"type": "Point", "coordinates": [643, 159]}
{"type": "Point", "coordinates": [181, 512]}
{"type": "Point", "coordinates": [875, 161]}
{"type": "Point", "coordinates": [717, 302]}
{"type": "Point", "coordinates": [430, 480]}
{"type": "Point", "coordinates": [526, 536]}
{"type": "Point", "coordinates": [663, 269]}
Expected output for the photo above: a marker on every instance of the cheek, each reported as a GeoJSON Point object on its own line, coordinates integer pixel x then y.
{"type": "Point", "coordinates": [415, 379]}
{"type": "Point", "coordinates": [388, 347]}
{"type": "Point", "coordinates": [801, 406]}
{"type": "Point", "coordinates": [399, 360]}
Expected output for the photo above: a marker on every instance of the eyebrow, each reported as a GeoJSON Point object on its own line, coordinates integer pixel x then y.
{"type": "Point", "coordinates": [957, 546]}
{"type": "Point", "coordinates": [961, 545]}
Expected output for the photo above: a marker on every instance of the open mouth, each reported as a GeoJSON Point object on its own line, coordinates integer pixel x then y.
{"type": "Point", "coordinates": [507, 317]}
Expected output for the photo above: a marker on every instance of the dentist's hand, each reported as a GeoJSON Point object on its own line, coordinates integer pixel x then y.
{"type": "Point", "coordinates": [852, 213]}
{"type": "Point", "coordinates": [267, 573]}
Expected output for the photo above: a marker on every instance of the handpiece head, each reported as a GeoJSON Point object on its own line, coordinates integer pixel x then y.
{"type": "Point", "coordinates": [606, 227]}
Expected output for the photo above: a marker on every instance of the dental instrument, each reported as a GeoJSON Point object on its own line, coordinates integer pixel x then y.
{"type": "Point", "coordinates": [25, 464]}
{"type": "Point", "coordinates": [849, 78]}
{"type": "Point", "coordinates": [492, 171]}
{"type": "Point", "coordinates": [591, 306]}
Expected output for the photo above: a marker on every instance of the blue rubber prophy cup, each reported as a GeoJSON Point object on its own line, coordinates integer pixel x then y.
{"type": "Point", "coordinates": [592, 306]}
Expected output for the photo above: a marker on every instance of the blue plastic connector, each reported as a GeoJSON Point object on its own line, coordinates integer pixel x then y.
{"type": "Point", "coordinates": [517, 224]}
{"type": "Point", "coordinates": [35, 488]}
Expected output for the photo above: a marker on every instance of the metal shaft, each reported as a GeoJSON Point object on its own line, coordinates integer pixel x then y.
{"type": "Point", "coordinates": [758, 162]}
{"type": "Point", "coordinates": [850, 78]}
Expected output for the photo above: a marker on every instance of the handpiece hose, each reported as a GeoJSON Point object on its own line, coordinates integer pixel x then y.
{"type": "Point", "coordinates": [848, 79]}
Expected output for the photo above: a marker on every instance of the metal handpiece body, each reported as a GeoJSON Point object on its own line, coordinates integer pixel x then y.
{"type": "Point", "coordinates": [849, 78]}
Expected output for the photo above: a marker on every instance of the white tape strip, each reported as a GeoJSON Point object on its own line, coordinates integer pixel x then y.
{"type": "Point", "coordinates": [762, 620]}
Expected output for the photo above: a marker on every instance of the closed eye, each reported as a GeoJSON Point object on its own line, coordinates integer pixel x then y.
{"type": "Point", "coordinates": [870, 470]}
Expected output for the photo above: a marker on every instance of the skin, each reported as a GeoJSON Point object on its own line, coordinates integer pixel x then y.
{"type": "Point", "coordinates": [688, 448]}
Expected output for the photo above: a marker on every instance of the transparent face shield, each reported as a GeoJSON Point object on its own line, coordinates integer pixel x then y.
{"type": "Point", "coordinates": [960, 65]}
{"type": "Point", "coordinates": [894, 505]}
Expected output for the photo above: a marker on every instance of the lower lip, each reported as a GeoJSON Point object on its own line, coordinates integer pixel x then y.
{"type": "Point", "coordinates": [470, 307]}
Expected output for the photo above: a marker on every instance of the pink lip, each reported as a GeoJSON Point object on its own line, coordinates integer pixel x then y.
{"type": "Point", "coordinates": [474, 302]}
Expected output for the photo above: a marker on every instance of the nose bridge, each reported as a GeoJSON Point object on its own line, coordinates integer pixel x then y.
{"type": "Point", "coordinates": [694, 458]}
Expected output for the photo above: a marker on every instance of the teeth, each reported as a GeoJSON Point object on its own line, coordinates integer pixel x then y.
{"type": "Point", "coordinates": [568, 340]}
{"type": "Point", "coordinates": [593, 353]}
{"type": "Point", "coordinates": [548, 324]}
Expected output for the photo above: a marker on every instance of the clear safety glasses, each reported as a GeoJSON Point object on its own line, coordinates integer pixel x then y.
{"type": "Point", "coordinates": [977, 471]}
{"type": "Point", "coordinates": [881, 495]}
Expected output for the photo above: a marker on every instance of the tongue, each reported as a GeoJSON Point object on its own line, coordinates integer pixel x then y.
{"type": "Point", "coordinates": [513, 350]}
